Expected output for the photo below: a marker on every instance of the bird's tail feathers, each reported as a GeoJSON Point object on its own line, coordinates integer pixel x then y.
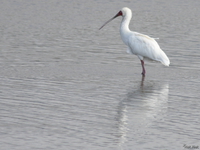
{"type": "Point", "coordinates": [164, 59]}
{"type": "Point", "coordinates": [165, 63]}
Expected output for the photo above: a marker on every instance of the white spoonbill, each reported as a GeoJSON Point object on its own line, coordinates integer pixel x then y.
{"type": "Point", "coordinates": [139, 44]}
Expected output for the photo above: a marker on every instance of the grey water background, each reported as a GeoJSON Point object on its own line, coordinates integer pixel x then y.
{"type": "Point", "coordinates": [66, 85]}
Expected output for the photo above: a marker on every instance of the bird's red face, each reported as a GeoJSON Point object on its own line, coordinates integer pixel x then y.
{"type": "Point", "coordinates": [118, 14]}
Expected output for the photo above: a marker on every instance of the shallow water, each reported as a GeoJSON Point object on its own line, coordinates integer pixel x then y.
{"type": "Point", "coordinates": [66, 85]}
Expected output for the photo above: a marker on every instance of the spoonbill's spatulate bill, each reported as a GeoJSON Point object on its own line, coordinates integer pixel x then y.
{"type": "Point", "coordinates": [139, 44]}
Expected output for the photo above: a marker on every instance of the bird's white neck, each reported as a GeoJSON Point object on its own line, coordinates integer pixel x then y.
{"type": "Point", "coordinates": [124, 28]}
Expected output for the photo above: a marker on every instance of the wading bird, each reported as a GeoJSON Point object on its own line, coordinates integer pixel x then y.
{"type": "Point", "coordinates": [139, 44]}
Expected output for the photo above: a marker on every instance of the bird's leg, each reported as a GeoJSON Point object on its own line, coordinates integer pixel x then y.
{"type": "Point", "coordinates": [143, 69]}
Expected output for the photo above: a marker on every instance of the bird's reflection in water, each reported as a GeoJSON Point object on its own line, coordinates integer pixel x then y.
{"type": "Point", "coordinates": [140, 107]}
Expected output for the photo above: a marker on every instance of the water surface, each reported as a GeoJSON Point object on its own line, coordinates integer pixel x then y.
{"type": "Point", "coordinates": [66, 85]}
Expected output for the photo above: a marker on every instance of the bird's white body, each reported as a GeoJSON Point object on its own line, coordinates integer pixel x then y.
{"type": "Point", "coordinates": [139, 44]}
{"type": "Point", "coordinates": [145, 47]}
